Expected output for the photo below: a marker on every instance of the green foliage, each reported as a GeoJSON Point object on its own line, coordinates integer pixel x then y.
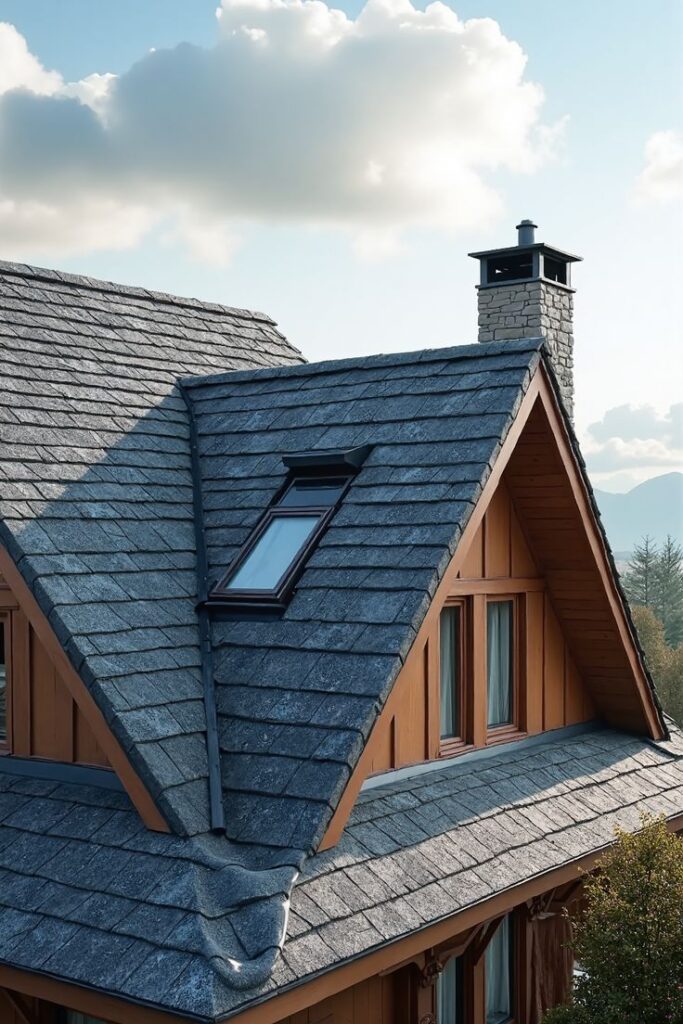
{"type": "Point", "coordinates": [665, 664]}
{"type": "Point", "coordinates": [654, 586]}
{"type": "Point", "coordinates": [639, 579]}
{"type": "Point", "coordinates": [629, 939]}
{"type": "Point", "coordinates": [654, 578]}
{"type": "Point", "coordinates": [668, 586]}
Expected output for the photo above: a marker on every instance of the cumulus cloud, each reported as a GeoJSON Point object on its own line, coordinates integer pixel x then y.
{"type": "Point", "coordinates": [298, 113]}
{"type": "Point", "coordinates": [634, 443]}
{"type": "Point", "coordinates": [661, 180]}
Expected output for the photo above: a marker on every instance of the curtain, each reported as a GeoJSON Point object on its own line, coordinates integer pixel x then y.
{"type": "Point", "coordinates": [498, 979]}
{"type": "Point", "coordinates": [499, 661]}
{"type": "Point", "coordinates": [552, 964]}
{"type": "Point", "coordinates": [449, 653]}
{"type": "Point", "coordinates": [447, 994]}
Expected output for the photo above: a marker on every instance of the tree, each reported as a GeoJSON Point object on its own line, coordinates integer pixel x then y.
{"type": "Point", "coordinates": [640, 579]}
{"type": "Point", "coordinates": [629, 938]}
{"type": "Point", "coordinates": [652, 640]}
{"type": "Point", "coordinates": [670, 685]}
{"type": "Point", "coordinates": [664, 663]}
{"type": "Point", "coordinates": [668, 590]}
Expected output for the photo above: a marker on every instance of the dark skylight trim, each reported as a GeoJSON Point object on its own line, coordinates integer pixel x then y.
{"type": "Point", "coordinates": [283, 539]}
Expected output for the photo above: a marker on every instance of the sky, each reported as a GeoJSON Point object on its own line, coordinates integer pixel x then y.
{"type": "Point", "coordinates": [333, 166]}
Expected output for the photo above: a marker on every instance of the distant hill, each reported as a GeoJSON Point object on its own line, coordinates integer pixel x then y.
{"type": "Point", "coordinates": [654, 507]}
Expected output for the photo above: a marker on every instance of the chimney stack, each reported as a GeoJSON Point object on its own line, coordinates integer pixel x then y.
{"type": "Point", "coordinates": [525, 292]}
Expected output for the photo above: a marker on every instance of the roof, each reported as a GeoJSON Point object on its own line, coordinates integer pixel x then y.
{"type": "Point", "coordinates": [96, 496]}
{"type": "Point", "coordinates": [99, 489]}
{"type": "Point", "coordinates": [298, 695]}
{"type": "Point", "coordinates": [88, 895]}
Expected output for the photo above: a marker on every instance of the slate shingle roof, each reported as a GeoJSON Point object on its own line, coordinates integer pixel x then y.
{"type": "Point", "coordinates": [298, 695]}
{"type": "Point", "coordinates": [96, 496]}
{"type": "Point", "coordinates": [88, 895]}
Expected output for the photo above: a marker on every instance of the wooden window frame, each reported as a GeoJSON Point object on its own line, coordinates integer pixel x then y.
{"type": "Point", "coordinates": [451, 745]}
{"type": "Point", "coordinates": [515, 728]}
{"type": "Point", "coordinates": [6, 628]}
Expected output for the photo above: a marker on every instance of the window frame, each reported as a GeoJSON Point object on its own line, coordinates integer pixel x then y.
{"type": "Point", "coordinates": [5, 627]}
{"type": "Point", "coordinates": [450, 745]}
{"type": "Point", "coordinates": [513, 728]}
{"type": "Point", "coordinates": [277, 596]}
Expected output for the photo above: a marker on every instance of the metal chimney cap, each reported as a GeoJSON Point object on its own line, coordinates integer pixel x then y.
{"type": "Point", "coordinates": [526, 232]}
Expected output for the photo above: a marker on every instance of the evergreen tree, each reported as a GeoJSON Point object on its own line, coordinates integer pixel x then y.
{"type": "Point", "coordinates": [667, 600]}
{"type": "Point", "coordinates": [640, 579]}
{"type": "Point", "coordinates": [629, 938]}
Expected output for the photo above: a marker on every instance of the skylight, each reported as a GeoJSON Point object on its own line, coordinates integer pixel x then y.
{"type": "Point", "coordinates": [268, 565]}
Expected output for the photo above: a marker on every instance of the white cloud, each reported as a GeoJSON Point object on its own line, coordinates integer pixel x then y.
{"type": "Point", "coordinates": [634, 443]}
{"type": "Point", "coordinates": [298, 114]}
{"type": "Point", "coordinates": [661, 180]}
{"type": "Point", "coordinates": [19, 69]}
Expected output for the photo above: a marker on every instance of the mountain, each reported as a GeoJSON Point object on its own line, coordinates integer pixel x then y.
{"type": "Point", "coordinates": [654, 507]}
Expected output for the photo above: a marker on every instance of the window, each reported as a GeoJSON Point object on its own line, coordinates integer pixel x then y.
{"type": "Point", "coordinates": [499, 974]}
{"type": "Point", "coordinates": [4, 681]}
{"type": "Point", "coordinates": [451, 671]}
{"type": "Point", "coordinates": [267, 566]}
{"type": "Point", "coordinates": [500, 663]}
{"type": "Point", "coordinates": [449, 993]}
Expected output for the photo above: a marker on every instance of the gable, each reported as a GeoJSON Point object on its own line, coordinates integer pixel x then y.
{"type": "Point", "coordinates": [297, 694]}
{"type": "Point", "coordinates": [535, 533]}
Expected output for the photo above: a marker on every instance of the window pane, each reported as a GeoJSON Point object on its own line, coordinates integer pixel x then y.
{"type": "Point", "coordinates": [274, 552]}
{"type": "Point", "coordinates": [499, 662]}
{"type": "Point", "coordinates": [3, 684]}
{"type": "Point", "coordinates": [449, 993]}
{"type": "Point", "coordinates": [499, 975]}
{"type": "Point", "coordinates": [449, 653]}
{"type": "Point", "coordinates": [313, 493]}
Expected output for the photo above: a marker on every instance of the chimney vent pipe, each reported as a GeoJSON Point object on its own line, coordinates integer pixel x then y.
{"type": "Point", "coordinates": [526, 232]}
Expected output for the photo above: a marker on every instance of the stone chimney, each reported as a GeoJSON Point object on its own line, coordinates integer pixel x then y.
{"type": "Point", "coordinates": [525, 292]}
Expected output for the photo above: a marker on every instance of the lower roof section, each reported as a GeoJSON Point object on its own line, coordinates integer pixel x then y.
{"type": "Point", "coordinates": [194, 926]}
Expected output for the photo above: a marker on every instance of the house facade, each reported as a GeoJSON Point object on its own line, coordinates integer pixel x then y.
{"type": "Point", "coordinates": [320, 693]}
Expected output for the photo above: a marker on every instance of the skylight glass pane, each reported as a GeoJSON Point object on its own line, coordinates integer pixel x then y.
{"type": "Point", "coordinates": [275, 550]}
{"type": "Point", "coordinates": [313, 493]}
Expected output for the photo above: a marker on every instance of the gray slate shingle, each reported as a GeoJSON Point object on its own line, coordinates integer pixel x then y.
{"type": "Point", "coordinates": [96, 494]}
{"type": "Point", "coordinates": [435, 421]}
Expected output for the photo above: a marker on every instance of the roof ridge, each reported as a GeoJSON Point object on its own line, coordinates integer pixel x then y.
{"type": "Point", "coordinates": [471, 350]}
{"type": "Point", "coordinates": [33, 273]}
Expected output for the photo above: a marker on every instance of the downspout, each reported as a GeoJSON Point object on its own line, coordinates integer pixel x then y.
{"type": "Point", "coordinates": [217, 813]}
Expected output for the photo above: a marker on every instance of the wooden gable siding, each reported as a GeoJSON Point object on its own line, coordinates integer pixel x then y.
{"type": "Point", "coordinates": [555, 694]}
{"type": "Point", "coordinates": [543, 495]}
{"type": "Point", "coordinates": [93, 742]}
{"type": "Point", "coordinates": [43, 720]}
{"type": "Point", "coordinates": [585, 644]}
{"type": "Point", "coordinates": [372, 1001]}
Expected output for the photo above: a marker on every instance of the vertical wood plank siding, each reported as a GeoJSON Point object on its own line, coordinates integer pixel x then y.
{"type": "Point", "coordinates": [45, 721]}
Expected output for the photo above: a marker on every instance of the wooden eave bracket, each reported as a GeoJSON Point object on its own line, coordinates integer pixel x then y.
{"type": "Point", "coordinates": [118, 759]}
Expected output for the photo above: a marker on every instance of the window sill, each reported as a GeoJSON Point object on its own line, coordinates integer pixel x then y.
{"type": "Point", "coordinates": [504, 734]}
{"type": "Point", "coordinates": [451, 747]}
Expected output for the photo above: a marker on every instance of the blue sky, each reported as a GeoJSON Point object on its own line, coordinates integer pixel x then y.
{"type": "Point", "coordinates": [610, 78]}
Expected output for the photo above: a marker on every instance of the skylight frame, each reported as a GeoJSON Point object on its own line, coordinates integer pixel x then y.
{"type": "Point", "coordinates": [277, 596]}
